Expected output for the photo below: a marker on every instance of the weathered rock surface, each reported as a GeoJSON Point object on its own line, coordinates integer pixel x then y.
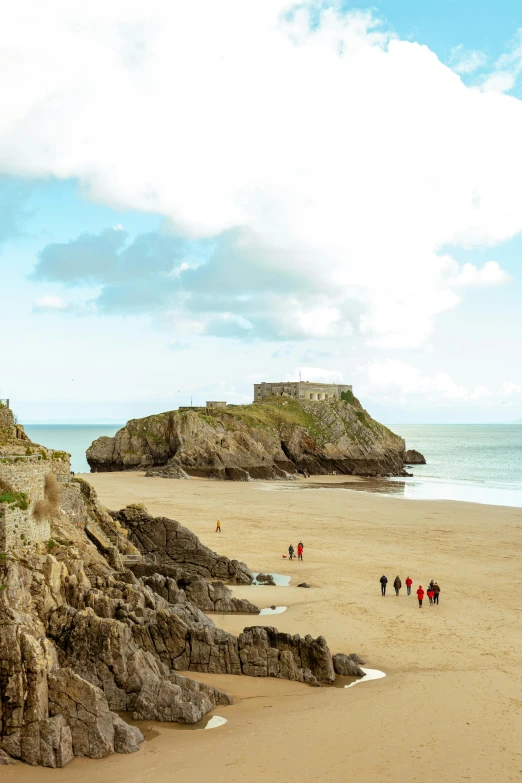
{"type": "Point", "coordinates": [173, 544]}
{"type": "Point", "coordinates": [272, 440]}
{"type": "Point", "coordinates": [265, 579]}
{"type": "Point", "coordinates": [5, 759]}
{"type": "Point", "coordinates": [304, 584]}
{"type": "Point", "coordinates": [80, 641]}
{"type": "Point", "coordinates": [412, 457]}
{"type": "Point", "coordinates": [345, 665]}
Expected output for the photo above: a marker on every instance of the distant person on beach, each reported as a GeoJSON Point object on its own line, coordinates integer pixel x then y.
{"type": "Point", "coordinates": [409, 583]}
{"type": "Point", "coordinates": [397, 584]}
{"type": "Point", "coordinates": [436, 591]}
{"type": "Point", "coordinates": [290, 552]}
{"type": "Point", "coordinates": [384, 581]}
{"type": "Point", "coordinates": [420, 595]}
{"type": "Point", "coordinates": [218, 527]}
{"type": "Point", "coordinates": [431, 593]}
{"type": "Point", "coordinates": [300, 548]}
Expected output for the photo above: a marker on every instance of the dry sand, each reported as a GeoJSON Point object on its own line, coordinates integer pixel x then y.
{"type": "Point", "coordinates": [450, 708]}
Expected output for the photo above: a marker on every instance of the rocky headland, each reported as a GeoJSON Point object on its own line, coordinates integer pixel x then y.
{"type": "Point", "coordinates": [101, 612]}
{"type": "Point", "coordinates": [271, 440]}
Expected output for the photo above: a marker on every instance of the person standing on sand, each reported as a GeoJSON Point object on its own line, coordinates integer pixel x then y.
{"type": "Point", "coordinates": [300, 548]}
{"type": "Point", "coordinates": [409, 583]}
{"type": "Point", "coordinates": [218, 527]}
{"type": "Point", "coordinates": [397, 584]}
{"type": "Point", "coordinates": [431, 593]}
{"type": "Point", "coordinates": [420, 595]}
{"type": "Point", "coordinates": [436, 591]}
{"type": "Point", "coordinates": [384, 581]}
{"type": "Point", "coordinates": [290, 552]}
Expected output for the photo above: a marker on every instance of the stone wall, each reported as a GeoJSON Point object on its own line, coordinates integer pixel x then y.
{"type": "Point", "coordinates": [26, 476]}
{"type": "Point", "coordinates": [19, 527]}
{"type": "Point", "coordinates": [300, 390]}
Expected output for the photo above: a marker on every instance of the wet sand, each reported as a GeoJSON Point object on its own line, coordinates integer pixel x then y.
{"type": "Point", "coordinates": [450, 707]}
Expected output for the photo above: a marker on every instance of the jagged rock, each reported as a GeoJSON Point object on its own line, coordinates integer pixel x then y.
{"type": "Point", "coordinates": [177, 699]}
{"type": "Point", "coordinates": [5, 759]}
{"type": "Point", "coordinates": [265, 579]}
{"type": "Point", "coordinates": [345, 665]}
{"type": "Point", "coordinates": [264, 652]}
{"type": "Point", "coordinates": [274, 440]}
{"type": "Point", "coordinates": [357, 659]}
{"type": "Point", "coordinates": [304, 584]}
{"type": "Point", "coordinates": [127, 738]}
{"type": "Point", "coordinates": [412, 457]}
{"type": "Point", "coordinates": [173, 544]}
{"type": "Point", "coordinates": [171, 471]}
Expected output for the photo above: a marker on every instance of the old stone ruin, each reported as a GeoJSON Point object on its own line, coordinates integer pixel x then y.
{"type": "Point", "coordinates": [103, 616]}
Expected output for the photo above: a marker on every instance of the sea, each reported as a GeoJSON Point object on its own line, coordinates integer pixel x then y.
{"type": "Point", "coordinates": [477, 463]}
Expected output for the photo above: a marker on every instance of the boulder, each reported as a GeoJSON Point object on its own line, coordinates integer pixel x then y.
{"type": "Point", "coordinates": [412, 457]}
{"type": "Point", "coordinates": [346, 666]}
{"type": "Point", "coordinates": [304, 584]}
{"type": "Point", "coordinates": [265, 579]}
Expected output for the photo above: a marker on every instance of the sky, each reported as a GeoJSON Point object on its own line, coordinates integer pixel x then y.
{"type": "Point", "coordinates": [195, 197]}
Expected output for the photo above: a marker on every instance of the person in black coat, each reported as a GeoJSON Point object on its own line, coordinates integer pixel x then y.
{"type": "Point", "coordinates": [384, 581]}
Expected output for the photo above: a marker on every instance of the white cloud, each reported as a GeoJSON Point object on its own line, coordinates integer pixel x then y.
{"type": "Point", "coordinates": [316, 374]}
{"type": "Point", "coordinates": [490, 273]}
{"type": "Point", "coordinates": [350, 156]}
{"type": "Point", "coordinates": [394, 376]}
{"type": "Point", "coordinates": [50, 302]}
{"type": "Point", "coordinates": [466, 61]}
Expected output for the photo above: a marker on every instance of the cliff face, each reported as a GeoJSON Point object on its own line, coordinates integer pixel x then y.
{"type": "Point", "coordinates": [265, 440]}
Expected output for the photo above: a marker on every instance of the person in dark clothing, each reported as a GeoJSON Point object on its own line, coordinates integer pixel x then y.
{"type": "Point", "coordinates": [290, 552]}
{"type": "Point", "coordinates": [300, 548]}
{"type": "Point", "coordinates": [384, 581]}
{"type": "Point", "coordinates": [436, 591]}
{"type": "Point", "coordinates": [397, 584]}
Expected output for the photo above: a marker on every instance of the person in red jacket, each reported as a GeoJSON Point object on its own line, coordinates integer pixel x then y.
{"type": "Point", "coordinates": [431, 593]}
{"type": "Point", "coordinates": [420, 595]}
{"type": "Point", "coordinates": [300, 548]}
{"type": "Point", "coordinates": [409, 583]}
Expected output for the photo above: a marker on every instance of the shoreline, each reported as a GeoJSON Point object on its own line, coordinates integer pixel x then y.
{"type": "Point", "coordinates": [450, 706]}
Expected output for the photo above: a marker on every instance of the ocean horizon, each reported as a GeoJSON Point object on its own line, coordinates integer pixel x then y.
{"type": "Point", "coordinates": [475, 463]}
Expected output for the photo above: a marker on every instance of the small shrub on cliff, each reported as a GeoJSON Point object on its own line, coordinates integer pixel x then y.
{"type": "Point", "coordinates": [15, 500]}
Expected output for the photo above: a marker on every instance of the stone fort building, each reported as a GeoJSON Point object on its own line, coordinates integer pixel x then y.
{"type": "Point", "coordinates": [300, 390]}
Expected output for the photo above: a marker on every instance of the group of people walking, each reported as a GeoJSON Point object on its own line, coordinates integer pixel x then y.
{"type": "Point", "coordinates": [291, 551]}
{"type": "Point", "coordinates": [432, 592]}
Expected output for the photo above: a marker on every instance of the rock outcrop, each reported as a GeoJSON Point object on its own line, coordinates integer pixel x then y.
{"type": "Point", "coordinates": [412, 457]}
{"type": "Point", "coordinates": [173, 544]}
{"type": "Point", "coordinates": [81, 640]}
{"type": "Point", "coordinates": [269, 440]}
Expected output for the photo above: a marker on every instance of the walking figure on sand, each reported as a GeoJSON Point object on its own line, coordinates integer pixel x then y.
{"type": "Point", "coordinates": [384, 581]}
{"type": "Point", "coordinates": [218, 527]}
{"type": "Point", "coordinates": [300, 548]}
{"type": "Point", "coordinates": [420, 596]}
{"type": "Point", "coordinates": [409, 583]}
{"type": "Point", "coordinates": [397, 584]}
{"type": "Point", "coordinates": [290, 552]}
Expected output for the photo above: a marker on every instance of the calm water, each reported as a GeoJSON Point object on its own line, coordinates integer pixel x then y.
{"type": "Point", "coordinates": [72, 438]}
{"type": "Point", "coordinates": [480, 463]}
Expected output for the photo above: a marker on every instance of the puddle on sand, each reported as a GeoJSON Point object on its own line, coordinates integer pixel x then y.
{"type": "Point", "coordinates": [370, 674]}
{"type": "Point", "coordinates": [151, 731]}
{"type": "Point", "coordinates": [275, 610]}
{"type": "Point", "coordinates": [281, 580]}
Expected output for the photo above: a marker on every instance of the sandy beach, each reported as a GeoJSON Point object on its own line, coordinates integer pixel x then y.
{"type": "Point", "coordinates": [450, 708]}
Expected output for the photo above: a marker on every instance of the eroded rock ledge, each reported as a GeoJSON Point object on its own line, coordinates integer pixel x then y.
{"type": "Point", "coordinates": [80, 640]}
